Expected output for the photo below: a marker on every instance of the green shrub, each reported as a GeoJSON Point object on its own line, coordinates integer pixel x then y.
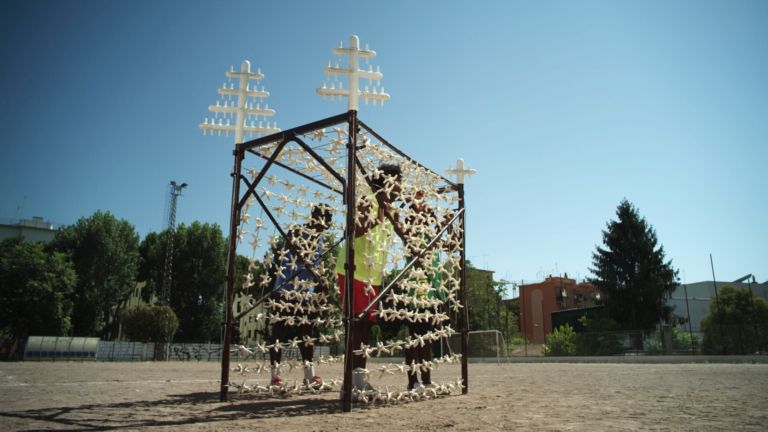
{"type": "Point", "coordinates": [145, 323]}
{"type": "Point", "coordinates": [737, 323]}
{"type": "Point", "coordinates": [561, 342]}
{"type": "Point", "coordinates": [517, 340]}
{"type": "Point", "coordinates": [683, 340]}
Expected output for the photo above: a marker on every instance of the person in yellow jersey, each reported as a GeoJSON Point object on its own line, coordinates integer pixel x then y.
{"type": "Point", "coordinates": [373, 237]}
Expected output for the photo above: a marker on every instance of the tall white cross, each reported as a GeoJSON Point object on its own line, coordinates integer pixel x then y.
{"type": "Point", "coordinates": [237, 104]}
{"type": "Point", "coordinates": [354, 73]}
{"type": "Point", "coordinates": [459, 171]}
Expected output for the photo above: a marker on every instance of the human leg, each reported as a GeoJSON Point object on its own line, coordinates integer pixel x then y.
{"type": "Point", "coordinates": [275, 353]}
{"type": "Point", "coordinates": [426, 355]}
{"type": "Point", "coordinates": [307, 355]}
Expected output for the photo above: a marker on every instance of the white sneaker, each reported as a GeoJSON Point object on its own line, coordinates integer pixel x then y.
{"type": "Point", "coordinates": [360, 380]}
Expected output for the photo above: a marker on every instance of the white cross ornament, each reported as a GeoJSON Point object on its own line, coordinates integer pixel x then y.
{"type": "Point", "coordinates": [459, 171]}
{"type": "Point", "coordinates": [354, 73]}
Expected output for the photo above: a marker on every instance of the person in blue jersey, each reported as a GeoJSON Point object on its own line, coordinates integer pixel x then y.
{"type": "Point", "coordinates": [295, 290]}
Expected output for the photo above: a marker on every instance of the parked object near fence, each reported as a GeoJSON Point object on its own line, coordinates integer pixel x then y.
{"type": "Point", "coordinates": [61, 348]}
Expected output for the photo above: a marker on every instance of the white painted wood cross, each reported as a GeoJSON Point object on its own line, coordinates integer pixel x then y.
{"type": "Point", "coordinates": [238, 103]}
{"type": "Point", "coordinates": [459, 171]}
{"type": "Point", "coordinates": [353, 73]}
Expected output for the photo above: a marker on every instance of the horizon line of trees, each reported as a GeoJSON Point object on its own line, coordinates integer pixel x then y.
{"type": "Point", "coordinates": [76, 284]}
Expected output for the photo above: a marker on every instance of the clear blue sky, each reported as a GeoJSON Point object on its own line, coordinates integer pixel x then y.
{"type": "Point", "coordinates": [565, 108]}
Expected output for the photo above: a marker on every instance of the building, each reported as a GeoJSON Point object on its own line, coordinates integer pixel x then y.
{"type": "Point", "coordinates": [251, 329]}
{"type": "Point", "coordinates": [539, 300]}
{"type": "Point", "coordinates": [32, 230]}
{"type": "Point", "coordinates": [698, 296]}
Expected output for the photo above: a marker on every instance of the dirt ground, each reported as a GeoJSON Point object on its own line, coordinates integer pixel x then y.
{"type": "Point", "coordinates": [583, 397]}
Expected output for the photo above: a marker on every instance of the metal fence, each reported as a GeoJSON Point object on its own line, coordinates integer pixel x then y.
{"type": "Point", "coordinates": [745, 339]}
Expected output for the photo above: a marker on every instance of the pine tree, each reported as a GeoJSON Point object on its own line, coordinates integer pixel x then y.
{"type": "Point", "coordinates": [630, 272]}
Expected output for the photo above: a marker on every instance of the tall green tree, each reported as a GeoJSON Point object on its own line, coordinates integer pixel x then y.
{"type": "Point", "coordinates": [35, 290]}
{"type": "Point", "coordinates": [105, 253]}
{"type": "Point", "coordinates": [199, 281]}
{"type": "Point", "coordinates": [631, 272]}
{"type": "Point", "coordinates": [152, 251]}
{"type": "Point", "coordinates": [198, 277]}
{"type": "Point", "coordinates": [737, 323]}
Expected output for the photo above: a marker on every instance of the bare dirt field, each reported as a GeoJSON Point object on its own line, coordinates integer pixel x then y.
{"type": "Point", "coordinates": [584, 397]}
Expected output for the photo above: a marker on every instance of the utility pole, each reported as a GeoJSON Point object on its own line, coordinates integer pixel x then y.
{"type": "Point", "coordinates": [688, 310]}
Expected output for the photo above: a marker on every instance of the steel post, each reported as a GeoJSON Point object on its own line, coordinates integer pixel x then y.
{"type": "Point", "coordinates": [463, 287]}
{"type": "Point", "coordinates": [349, 271]}
{"type": "Point", "coordinates": [234, 222]}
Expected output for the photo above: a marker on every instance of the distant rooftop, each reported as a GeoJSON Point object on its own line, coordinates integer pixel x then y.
{"type": "Point", "coordinates": [35, 222]}
{"type": "Point", "coordinates": [35, 229]}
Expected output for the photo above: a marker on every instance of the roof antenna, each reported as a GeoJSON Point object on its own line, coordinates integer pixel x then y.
{"type": "Point", "coordinates": [20, 207]}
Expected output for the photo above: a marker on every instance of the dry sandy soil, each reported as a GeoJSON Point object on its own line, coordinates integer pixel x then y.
{"type": "Point", "coordinates": [585, 397]}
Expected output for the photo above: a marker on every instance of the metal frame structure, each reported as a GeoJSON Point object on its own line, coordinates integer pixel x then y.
{"type": "Point", "coordinates": [354, 125]}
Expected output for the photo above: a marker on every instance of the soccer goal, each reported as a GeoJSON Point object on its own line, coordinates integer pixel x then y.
{"type": "Point", "coordinates": [482, 344]}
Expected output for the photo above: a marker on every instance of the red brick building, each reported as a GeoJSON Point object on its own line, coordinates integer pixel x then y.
{"type": "Point", "coordinates": [539, 300]}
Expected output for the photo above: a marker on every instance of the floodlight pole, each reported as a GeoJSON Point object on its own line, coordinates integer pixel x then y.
{"type": "Point", "coordinates": [175, 193]}
{"type": "Point", "coordinates": [161, 348]}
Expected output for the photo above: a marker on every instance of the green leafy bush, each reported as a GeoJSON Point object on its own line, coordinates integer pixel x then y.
{"type": "Point", "coordinates": [147, 323]}
{"type": "Point", "coordinates": [561, 342]}
{"type": "Point", "coordinates": [737, 323]}
{"type": "Point", "coordinates": [683, 340]}
{"type": "Point", "coordinates": [517, 340]}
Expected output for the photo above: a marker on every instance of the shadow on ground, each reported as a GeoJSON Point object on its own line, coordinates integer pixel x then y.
{"type": "Point", "coordinates": [175, 410]}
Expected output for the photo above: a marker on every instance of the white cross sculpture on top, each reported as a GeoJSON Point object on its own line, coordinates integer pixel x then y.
{"type": "Point", "coordinates": [353, 73]}
{"type": "Point", "coordinates": [238, 103]}
{"type": "Point", "coordinates": [459, 171]}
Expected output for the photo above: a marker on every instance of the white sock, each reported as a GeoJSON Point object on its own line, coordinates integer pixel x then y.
{"type": "Point", "coordinates": [358, 378]}
{"type": "Point", "coordinates": [309, 373]}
